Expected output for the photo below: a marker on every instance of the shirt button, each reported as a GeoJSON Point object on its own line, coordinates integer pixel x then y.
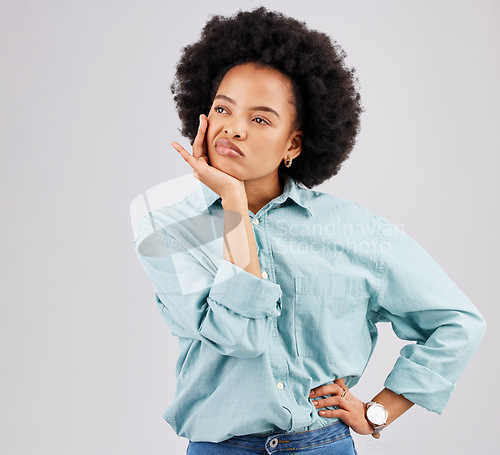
{"type": "Point", "coordinates": [264, 275]}
{"type": "Point", "coordinates": [273, 442]}
{"type": "Point", "coordinates": [255, 221]}
{"type": "Point", "coordinates": [280, 385]}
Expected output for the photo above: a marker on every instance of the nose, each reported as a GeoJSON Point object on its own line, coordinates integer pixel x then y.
{"type": "Point", "coordinates": [232, 129]}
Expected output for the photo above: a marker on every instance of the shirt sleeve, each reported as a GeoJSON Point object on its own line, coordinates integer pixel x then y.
{"type": "Point", "coordinates": [226, 307]}
{"type": "Point", "coordinates": [424, 305]}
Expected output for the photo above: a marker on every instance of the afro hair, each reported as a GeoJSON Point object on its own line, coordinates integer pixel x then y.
{"type": "Point", "coordinates": [327, 102]}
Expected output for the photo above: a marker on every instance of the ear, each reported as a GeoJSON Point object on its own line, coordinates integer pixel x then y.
{"type": "Point", "coordinates": [295, 144]}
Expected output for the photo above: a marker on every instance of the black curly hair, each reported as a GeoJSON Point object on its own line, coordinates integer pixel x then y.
{"type": "Point", "coordinates": [328, 105]}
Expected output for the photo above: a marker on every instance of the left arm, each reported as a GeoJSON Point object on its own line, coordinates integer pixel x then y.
{"type": "Point", "coordinates": [425, 306]}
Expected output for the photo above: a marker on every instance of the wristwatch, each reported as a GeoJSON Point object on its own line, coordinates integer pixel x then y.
{"type": "Point", "coordinates": [377, 415]}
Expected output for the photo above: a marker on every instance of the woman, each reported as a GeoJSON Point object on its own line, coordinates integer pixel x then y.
{"type": "Point", "coordinates": [275, 289]}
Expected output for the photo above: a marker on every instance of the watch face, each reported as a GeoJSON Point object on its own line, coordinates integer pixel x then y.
{"type": "Point", "coordinates": [376, 414]}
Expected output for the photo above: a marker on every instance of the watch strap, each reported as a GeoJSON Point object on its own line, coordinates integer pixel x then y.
{"type": "Point", "coordinates": [377, 429]}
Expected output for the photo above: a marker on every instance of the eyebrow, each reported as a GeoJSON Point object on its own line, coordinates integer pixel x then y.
{"type": "Point", "coordinates": [251, 108]}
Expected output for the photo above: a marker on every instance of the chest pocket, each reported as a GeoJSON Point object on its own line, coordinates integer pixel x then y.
{"type": "Point", "coordinates": [330, 318]}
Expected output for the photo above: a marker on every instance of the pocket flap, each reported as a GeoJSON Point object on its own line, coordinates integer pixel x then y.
{"type": "Point", "coordinates": [334, 286]}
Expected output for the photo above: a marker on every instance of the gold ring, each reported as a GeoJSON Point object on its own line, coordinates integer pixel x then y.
{"type": "Point", "coordinates": [343, 395]}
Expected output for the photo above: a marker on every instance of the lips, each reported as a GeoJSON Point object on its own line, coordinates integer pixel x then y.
{"type": "Point", "coordinates": [224, 144]}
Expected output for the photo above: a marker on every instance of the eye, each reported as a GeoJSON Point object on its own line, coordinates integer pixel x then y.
{"type": "Point", "coordinates": [216, 109]}
{"type": "Point", "coordinates": [264, 122]}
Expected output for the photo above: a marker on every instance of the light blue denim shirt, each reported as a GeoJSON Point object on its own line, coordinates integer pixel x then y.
{"type": "Point", "coordinates": [251, 349]}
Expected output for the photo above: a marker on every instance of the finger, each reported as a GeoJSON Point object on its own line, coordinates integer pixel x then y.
{"type": "Point", "coordinates": [342, 414]}
{"type": "Point", "coordinates": [199, 147]}
{"type": "Point", "coordinates": [193, 162]}
{"type": "Point", "coordinates": [204, 143]}
{"type": "Point", "coordinates": [328, 389]}
{"type": "Point", "coordinates": [341, 383]}
{"type": "Point", "coordinates": [183, 152]}
{"type": "Point", "coordinates": [332, 401]}
{"type": "Point", "coordinates": [343, 387]}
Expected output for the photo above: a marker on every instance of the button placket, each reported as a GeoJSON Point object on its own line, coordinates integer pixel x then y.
{"type": "Point", "coordinates": [264, 274]}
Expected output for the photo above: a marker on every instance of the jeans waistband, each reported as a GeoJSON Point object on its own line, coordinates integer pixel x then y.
{"type": "Point", "coordinates": [320, 435]}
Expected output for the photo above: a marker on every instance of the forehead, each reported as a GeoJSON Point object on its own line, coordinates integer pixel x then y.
{"type": "Point", "coordinates": [254, 83]}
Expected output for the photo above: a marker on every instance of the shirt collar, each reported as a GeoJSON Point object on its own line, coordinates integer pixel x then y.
{"type": "Point", "coordinates": [294, 190]}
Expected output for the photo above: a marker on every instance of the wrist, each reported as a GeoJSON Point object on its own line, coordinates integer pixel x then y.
{"type": "Point", "coordinates": [377, 416]}
{"type": "Point", "coordinates": [367, 427]}
{"type": "Point", "coordinates": [235, 197]}
{"type": "Point", "coordinates": [234, 191]}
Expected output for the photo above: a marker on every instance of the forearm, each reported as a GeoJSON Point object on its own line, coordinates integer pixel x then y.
{"type": "Point", "coordinates": [240, 247]}
{"type": "Point", "coordinates": [394, 404]}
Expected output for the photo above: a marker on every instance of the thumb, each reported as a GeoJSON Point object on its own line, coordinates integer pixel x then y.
{"type": "Point", "coordinates": [340, 382]}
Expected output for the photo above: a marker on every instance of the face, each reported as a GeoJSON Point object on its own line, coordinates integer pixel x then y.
{"type": "Point", "coordinates": [253, 109]}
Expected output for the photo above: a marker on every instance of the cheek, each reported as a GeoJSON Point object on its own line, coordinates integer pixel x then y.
{"type": "Point", "coordinates": [211, 129]}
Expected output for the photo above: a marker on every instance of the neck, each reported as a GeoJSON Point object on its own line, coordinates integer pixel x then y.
{"type": "Point", "coordinates": [262, 190]}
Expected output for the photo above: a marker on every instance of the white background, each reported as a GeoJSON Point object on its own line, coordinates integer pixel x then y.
{"type": "Point", "coordinates": [86, 122]}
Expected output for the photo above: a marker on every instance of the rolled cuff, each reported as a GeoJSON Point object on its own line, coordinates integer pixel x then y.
{"type": "Point", "coordinates": [244, 293]}
{"type": "Point", "coordinates": [419, 385]}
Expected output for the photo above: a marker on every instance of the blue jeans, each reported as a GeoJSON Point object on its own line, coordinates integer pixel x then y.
{"type": "Point", "coordinates": [334, 439]}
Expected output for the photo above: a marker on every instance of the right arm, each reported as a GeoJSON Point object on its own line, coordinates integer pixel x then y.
{"type": "Point", "coordinates": [239, 240]}
{"type": "Point", "coordinates": [240, 247]}
{"type": "Point", "coordinates": [229, 307]}
{"type": "Point", "coordinates": [220, 304]}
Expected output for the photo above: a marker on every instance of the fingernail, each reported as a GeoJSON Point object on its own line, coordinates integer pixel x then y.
{"type": "Point", "coordinates": [200, 118]}
{"type": "Point", "coordinates": [311, 393]}
{"type": "Point", "coordinates": [315, 403]}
